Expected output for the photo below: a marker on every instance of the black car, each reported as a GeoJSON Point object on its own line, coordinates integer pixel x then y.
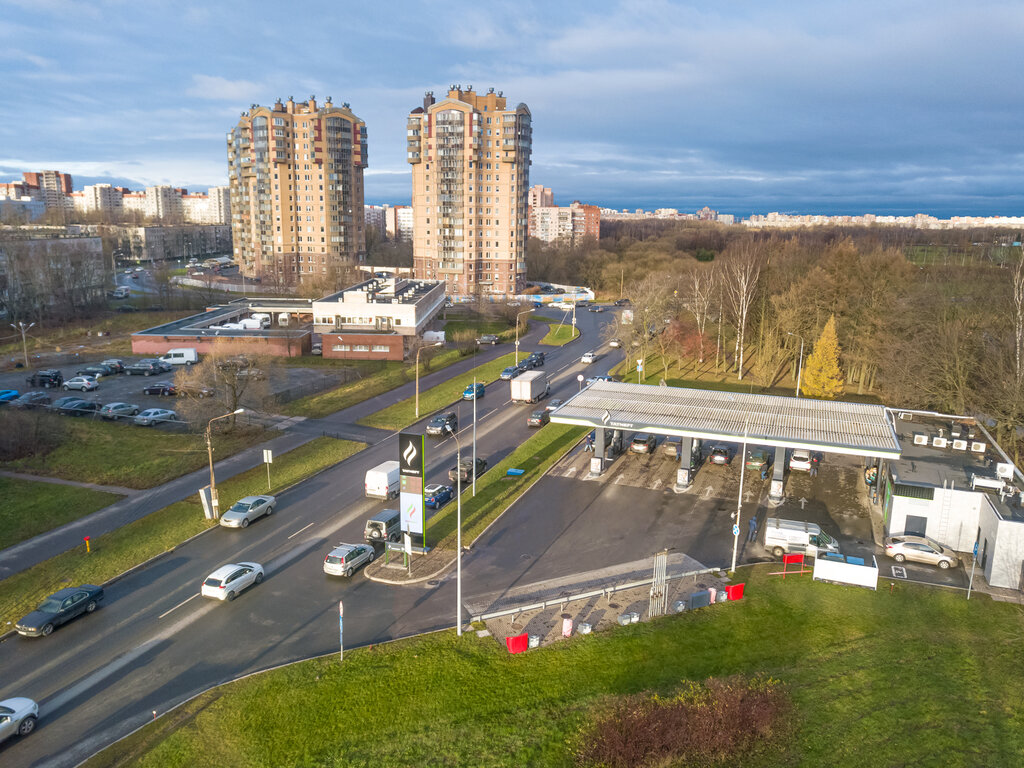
{"type": "Point", "coordinates": [538, 359]}
{"type": "Point", "coordinates": [538, 418]}
{"type": "Point", "coordinates": [128, 307]}
{"type": "Point", "coordinates": [60, 607]}
{"type": "Point", "coordinates": [46, 379]}
{"type": "Point", "coordinates": [63, 402]}
{"type": "Point", "coordinates": [145, 367]}
{"type": "Point", "coordinates": [97, 370]}
{"type": "Point", "coordinates": [160, 388]}
{"type": "Point", "coordinates": [464, 470]}
{"type": "Point", "coordinates": [31, 400]}
{"type": "Point", "coordinates": [114, 364]}
{"type": "Point", "coordinates": [82, 408]}
{"type": "Point", "coordinates": [439, 424]}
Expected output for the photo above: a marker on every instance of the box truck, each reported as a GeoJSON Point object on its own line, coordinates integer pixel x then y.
{"type": "Point", "coordinates": [382, 482]}
{"type": "Point", "coordinates": [529, 387]}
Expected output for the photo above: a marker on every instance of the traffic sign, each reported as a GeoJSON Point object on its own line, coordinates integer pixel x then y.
{"type": "Point", "coordinates": [735, 530]}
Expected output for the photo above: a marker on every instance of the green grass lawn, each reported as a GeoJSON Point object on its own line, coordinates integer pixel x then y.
{"type": "Point", "coordinates": [559, 335]}
{"type": "Point", "coordinates": [495, 490]}
{"type": "Point", "coordinates": [392, 375]}
{"type": "Point", "coordinates": [470, 330]}
{"type": "Point", "coordinates": [920, 677]}
{"type": "Point", "coordinates": [403, 413]}
{"type": "Point", "coordinates": [117, 551]}
{"type": "Point", "coordinates": [121, 454]}
{"type": "Point", "coordinates": [31, 508]}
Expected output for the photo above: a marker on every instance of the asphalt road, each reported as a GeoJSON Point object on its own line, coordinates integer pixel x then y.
{"type": "Point", "coordinates": [156, 642]}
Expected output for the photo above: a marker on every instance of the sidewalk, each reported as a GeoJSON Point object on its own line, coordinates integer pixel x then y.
{"type": "Point", "coordinates": [59, 481]}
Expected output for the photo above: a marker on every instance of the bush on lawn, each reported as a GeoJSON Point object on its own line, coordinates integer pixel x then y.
{"type": "Point", "coordinates": [719, 722]}
{"type": "Point", "coordinates": [29, 433]}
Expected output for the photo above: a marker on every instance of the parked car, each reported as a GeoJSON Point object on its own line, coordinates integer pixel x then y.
{"type": "Point", "coordinates": [193, 390]}
{"type": "Point", "coordinates": [920, 549]}
{"type": "Point", "coordinates": [440, 424]}
{"type": "Point", "coordinates": [97, 371]}
{"type": "Point", "coordinates": [112, 411]}
{"type": "Point", "coordinates": [721, 455]}
{"type": "Point", "coordinates": [800, 460]}
{"type": "Point", "coordinates": [60, 607]}
{"type": "Point", "coordinates": [31, 400]}
{"type": "Point", "coordinates": [17, 716]}
{"type": "Point", "coordinates": [553, 404]}
{"type": "Point", "coordinates": [153, 416]}
{"type": "Point", "coordinates": [81, 383]}
{"type": "Point", "coordinates": [160, 388]}
{"type": "Point", "coordinates": [344, 559]}
{"type": "Point", "coordinates": [487, 338]}
{"type": "Point", "coordinates": [473, 391]}
{"type": "Point", "coordinates": [464, 470]}
{"type": "Point", "coordinates": [144, 367]}
{"type": "Point", "coordinates": [538, 418]}
{"type": "Point", "coordinates": [595, 308]}
{"type": "Point", "coordinates": [436, 495]}
{"type": "Point", "coordinates": [244, 511]}
{"type": "Point", "coordinates": [7, 395]}
{"type": "Point", "coordinates": [60, 402]}
{"type": "Point", "coordinates": [234, 363]}
{"type": "Point", "coordinates": [46, 379]}
{"type": "Point", "coordinates": [228, 580]}
{"type": "Point", "coordinates": [591, 379]}
{"type": "Point", "coordinates": [758, 458]}
{"type": "Point", "coordinates": [588, 357]}
{"type": "Point", "coordinates": [671, 446]}
{"type": "Point", "coordinates": [642, 442]}
{"type": "Point", "coordinates": [615, 343]}
{"type": "Point", "coordinates": [510, 373]}
{"type": "Point", "coordinates": [621, 302]}
{"type": "Point", "coordinates": [115, 364]}
{"type": "Point", "coordinates": [250, 373]}
{"type": "Point", "coordinates": [78, 407]}
{"type": "Point", "coordinates": [129, 307]}
{"type": "Point", "coordinates": [316, 349]}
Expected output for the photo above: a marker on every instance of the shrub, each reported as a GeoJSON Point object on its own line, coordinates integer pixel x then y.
{"type": "Point", "coordinates": [718, 722]}
{"type": "Point", "coordinates": [29, 433]}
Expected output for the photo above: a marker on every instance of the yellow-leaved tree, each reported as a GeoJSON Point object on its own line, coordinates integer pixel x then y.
{"type": "Point", "coordinates": [823, 377]}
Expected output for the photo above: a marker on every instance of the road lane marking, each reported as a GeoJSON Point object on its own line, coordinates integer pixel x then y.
{"type": "Point", "coordinates": [300, 531]}
{"type": "Point", "coordinates": [178, 605]}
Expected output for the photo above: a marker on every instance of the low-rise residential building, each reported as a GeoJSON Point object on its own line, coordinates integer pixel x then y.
{"type": "Point", "coordinates": [46, 275]}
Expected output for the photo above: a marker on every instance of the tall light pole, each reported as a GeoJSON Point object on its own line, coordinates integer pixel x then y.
{"type": "Point", "coordinates": [800, 365]}
{"type": "Point", "coordinates": [739, 500]}
{"type": "Point", "coordinates": [458, 529]}
{"type": "Point", "coordinates": [418, 350]}
{"type": "Point", "coordinates": [214, 506]}
{"type": "Point", "coordinates": [24, 344]}
{"type": "Point", "coordinates": [524, 312]}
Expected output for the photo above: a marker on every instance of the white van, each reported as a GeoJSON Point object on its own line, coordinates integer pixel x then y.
{"type": "Point", "coordinates": [122, 292]}
{"type": "Point", "coordinates": [262, 317]}
{"type": "Point", "coordinates": [783, 536]}
{"type": "Point", "coordinates": [183, 356]}
{"type": "Point", "coordinates": [284, 319]}
{"type": "Point", "coordinates": [383, 481]}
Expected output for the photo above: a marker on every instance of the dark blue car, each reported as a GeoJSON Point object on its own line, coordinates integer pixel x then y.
{"type": "Point", "coordinates": [61, 606]}
{"type": "Point", "coordinates": [473, 392]}
{"type": "Point", "coordinates": [436, 496]}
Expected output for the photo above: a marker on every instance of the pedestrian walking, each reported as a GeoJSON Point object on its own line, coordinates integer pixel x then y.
{"type": "Point", "coordinates": [752, 533]}
{"type": "Point", "coordinates": [764, 472]}
{"type": "Point", "coordinates": [814, 466]}
{"type": "Point", "coordinates": [589, 444]}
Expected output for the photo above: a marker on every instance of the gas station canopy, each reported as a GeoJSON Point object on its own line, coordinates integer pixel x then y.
{"type": "Point", "coordinates": [856, 429]}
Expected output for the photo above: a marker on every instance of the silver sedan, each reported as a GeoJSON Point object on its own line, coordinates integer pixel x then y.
{"type": "Point", "coordinates": [244, 511]}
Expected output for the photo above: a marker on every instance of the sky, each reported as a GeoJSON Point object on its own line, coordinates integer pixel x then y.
{"type": "Point", "coordinates": [749, 107]}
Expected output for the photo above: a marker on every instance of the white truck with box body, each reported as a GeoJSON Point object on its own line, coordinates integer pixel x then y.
{"type": "Point", "coordinates": [182, 356]}
{"type": "Point", "coordinates": [383, 481]}
{"type": "Point", "coordinates": [796, 536]}
{"type": "Point", "coordinates": [529, 387]}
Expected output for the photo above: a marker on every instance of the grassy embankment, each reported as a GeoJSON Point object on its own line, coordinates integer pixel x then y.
{"type": "Point", "coordinates": [917, 677]}
{"type": "Point", "coordinates": [31, 508]}
{"type": "Point", "coordinates": [117, 551]}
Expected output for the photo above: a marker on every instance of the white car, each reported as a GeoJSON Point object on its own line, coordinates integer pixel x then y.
{"type": "Point", "coordinates": [345, 558]}
{"type": "Point", "coordinates": [81, 383]}
{"type": "Point", "coordinates": [800, 460]}
{"type": "Point", "coordinates": [228, 580]}
{"type": "Point", "coordinates": [588, 357]}
{"type": "Point", "coordinates": [244, 511]}
{"type": "Point", "coordinates": [552, 404]}
{"type": "Point", "coordinates": [152, 416]}
{"type": "Point", "coordinates": [17, 716]}
{"type": "Point", "coordinates": [615, 343]}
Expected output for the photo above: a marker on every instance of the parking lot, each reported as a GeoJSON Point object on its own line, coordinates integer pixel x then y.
{"type": "Point", "coordinates": [129, 389]}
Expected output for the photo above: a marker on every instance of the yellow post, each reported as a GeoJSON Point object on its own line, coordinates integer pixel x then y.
{"type": "Point", "coordinates": [87, 548]}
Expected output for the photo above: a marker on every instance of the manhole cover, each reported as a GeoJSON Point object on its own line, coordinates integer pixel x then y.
{"type": "Point", "coordinates": [433, 583]}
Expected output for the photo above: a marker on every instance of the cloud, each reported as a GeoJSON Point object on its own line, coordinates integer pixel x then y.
{"type": "Point", "coordinates": [222, 89]}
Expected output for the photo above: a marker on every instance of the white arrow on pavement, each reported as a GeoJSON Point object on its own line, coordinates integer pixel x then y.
{"type": "Point", "coordinates": [802, 502]}
{"type": "Point", "coordinates": [708, 492]}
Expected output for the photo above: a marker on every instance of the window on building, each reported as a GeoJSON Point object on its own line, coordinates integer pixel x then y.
{"type": "Point", "coordinates": [341, 348]}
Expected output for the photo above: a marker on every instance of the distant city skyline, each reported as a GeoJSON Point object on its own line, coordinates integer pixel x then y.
{"type": "Point", "coordinates": [748, 108]}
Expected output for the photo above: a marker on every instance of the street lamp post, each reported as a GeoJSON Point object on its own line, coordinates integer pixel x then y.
{"type": "Point", "coordinates": [214, 506]}
{"type": "Point", "coordinates": [458, 529]}
{"type": "Point", "coordinates": [418, 350]}
{"type": "Point", "coordinates": [800, 365]}
{"type": "Point", "coordinates": [739, 499]}
{"type": "Point", "coordinates": [524, 312]}
{"type": "Point", "coordinates": [24, 344]}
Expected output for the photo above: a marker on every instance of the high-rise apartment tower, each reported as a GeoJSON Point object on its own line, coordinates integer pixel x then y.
{"type": "Point", "coordinates": [470, 159]}
{"type": "Point", "coordinates": [296, 176]}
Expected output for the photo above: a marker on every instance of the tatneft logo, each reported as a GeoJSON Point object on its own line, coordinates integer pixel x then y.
{"type": "Point", "coordinates": [410, 451]}
{"type": "Point", "coordinates": [409, 454]}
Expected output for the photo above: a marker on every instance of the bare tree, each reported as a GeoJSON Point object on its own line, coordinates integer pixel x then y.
{"type": "Point", "coordinates": [702, 284]}
{"type": "Point", "coordinates": [1018, 317]}
{"type": "Point", "coordinates": [650, 300]}
{"type": "Point", "coordinates": [227, 378]}
{"type": "Point", "coordinates": [741, 271]}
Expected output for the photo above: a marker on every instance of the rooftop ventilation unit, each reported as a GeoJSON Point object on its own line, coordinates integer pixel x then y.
{"type": "Point", "coordinates": [939, 442]}
{"type": "Point", "coordinates": [959, 445]}
{"type": "Point", "coordinates": [977, 447]}
{"type": "Point", "coordinates": [906, 416]}
{"type": "Point", "coordinates": [920, 438]}
{"type": "Point", "coordinates": [1004, 470]}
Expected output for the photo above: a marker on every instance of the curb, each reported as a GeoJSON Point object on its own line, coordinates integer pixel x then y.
{"type": "Point", "coordinates": [420, 580]}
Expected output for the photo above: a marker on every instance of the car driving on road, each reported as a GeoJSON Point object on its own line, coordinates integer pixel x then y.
{"type": "Point", "coordinates": [60, 607]}
{"type": "Point", "coordinates": [487, 338]}
{"type": "Point", "coordinates": [538, 418]}
{"type": "Point", "coordinates": [345, 558]}
{"type": "Point", "coordinates": [464, 470]}
{"type": "Point", "coordinates": [17, 716]}
{"type": "Point", "coordinates": [588, 357]}
{"type": "Point", "coordinates": [440, 423]}
{"type": "Point", "coordinates": [244, 511]}
{"type": "Point", "coordinates": [473, 391]}
{"type": "Point", "coordinates": [227, 581]}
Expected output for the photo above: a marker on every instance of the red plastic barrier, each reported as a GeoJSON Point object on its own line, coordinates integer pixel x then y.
{"type": "Point", "coordinates": [735, 591]}
{"type": "Point", "coordinates": [789, 559]}
{"type": "Point", "coordinates": [517, 643]}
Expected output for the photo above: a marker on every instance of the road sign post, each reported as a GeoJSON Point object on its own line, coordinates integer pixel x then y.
{"type": "Point", "coordinates": [341, 631]}
{"type": "Point", "coordinates": [268, 459]}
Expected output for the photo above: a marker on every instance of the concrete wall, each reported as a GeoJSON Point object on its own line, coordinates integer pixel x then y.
{"type": "Point", "coordinates": [957, 531]}
{"type": "Point", "coordinates": [361, 346]}
{"type": "Point", "coordinates": [154, 346]}
{"type": "Point", "coordinates": [1004, 558]}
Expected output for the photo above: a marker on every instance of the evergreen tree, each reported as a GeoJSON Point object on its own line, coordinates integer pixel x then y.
{"type": "Point", "coordinates": [823, 377]}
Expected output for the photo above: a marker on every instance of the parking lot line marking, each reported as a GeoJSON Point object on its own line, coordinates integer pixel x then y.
{"type": "Point", "coordinates": [178, 605]}
{"type": "Point", "coordinates": [299, 531]}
